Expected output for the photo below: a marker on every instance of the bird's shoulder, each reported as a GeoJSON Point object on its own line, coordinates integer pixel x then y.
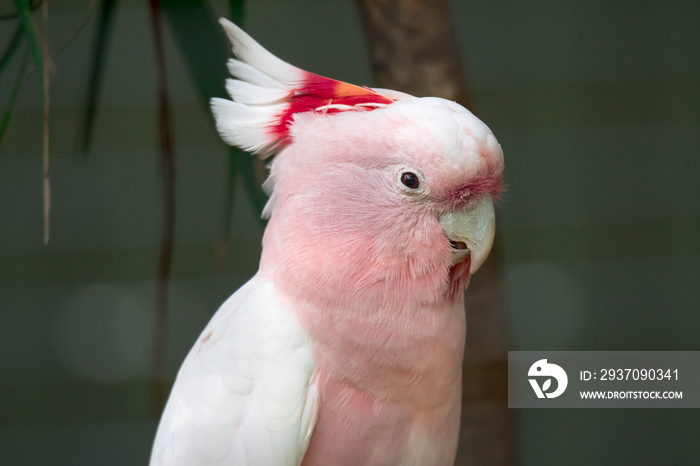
{"type": "Point", "coordinates": [244, 394]}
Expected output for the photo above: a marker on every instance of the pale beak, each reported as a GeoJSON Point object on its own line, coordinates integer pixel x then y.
{"type": "Point", "coordinates": [471, 232]}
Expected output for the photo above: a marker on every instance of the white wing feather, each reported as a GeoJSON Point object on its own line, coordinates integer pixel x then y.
{"type": "Point", "coordinates": [244, 395]}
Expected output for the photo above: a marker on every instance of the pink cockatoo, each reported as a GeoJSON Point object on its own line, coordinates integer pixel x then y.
{"type": "Point", "coordinates": [346, 347]}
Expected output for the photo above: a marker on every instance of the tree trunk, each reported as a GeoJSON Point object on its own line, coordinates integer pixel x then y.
{"type": "Point", "coordinates": [413, 48]}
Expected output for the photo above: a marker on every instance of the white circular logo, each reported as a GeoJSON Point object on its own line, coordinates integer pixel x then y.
{"type": "Point", "coordinates": [544, 371]}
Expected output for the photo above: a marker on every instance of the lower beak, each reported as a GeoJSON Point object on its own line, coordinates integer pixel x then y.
{"type": "Point", "coordinates": [471, 232]}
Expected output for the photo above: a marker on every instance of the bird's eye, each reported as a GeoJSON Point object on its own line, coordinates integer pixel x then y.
{"type": "Point", "coordinates": [410, 180]}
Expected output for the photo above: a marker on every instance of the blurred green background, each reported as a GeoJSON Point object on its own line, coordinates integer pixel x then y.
{"type": "Point", "coordinates": [596, 105]}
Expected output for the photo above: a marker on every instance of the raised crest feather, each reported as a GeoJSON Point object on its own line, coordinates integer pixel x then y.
{"type": "Point", "coordinates": [267, 92]}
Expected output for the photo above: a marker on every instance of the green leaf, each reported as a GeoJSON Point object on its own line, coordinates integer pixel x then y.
{"type": "Point", "coordinates": [25, 15]}
{"type": "Point", "coordinates": [236, 8]}
{"type": "Point", "coordinates": [13, 97]}
{"type": "Point", "coordinates": [205, 49]}
{"type": "Point", "coordinates": [11, 48]}
{"type": "Point", "coordinates": [222, 246]}
{"type": "Point", "coordinates": [99, 58]}
{"type": "Point", "coordinates": [250, 182]}
{"type": "Point", "coordinates": [33, 6]}
{"type": "Point", "coordinates": [199, 37]}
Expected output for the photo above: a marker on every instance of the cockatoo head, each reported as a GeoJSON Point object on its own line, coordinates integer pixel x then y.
{"type": "Point", "coordinates": [375, 195]}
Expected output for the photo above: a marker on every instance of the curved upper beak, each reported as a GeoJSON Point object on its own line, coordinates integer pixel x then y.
{"type": "Point", "coordinates": [471, 232]}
